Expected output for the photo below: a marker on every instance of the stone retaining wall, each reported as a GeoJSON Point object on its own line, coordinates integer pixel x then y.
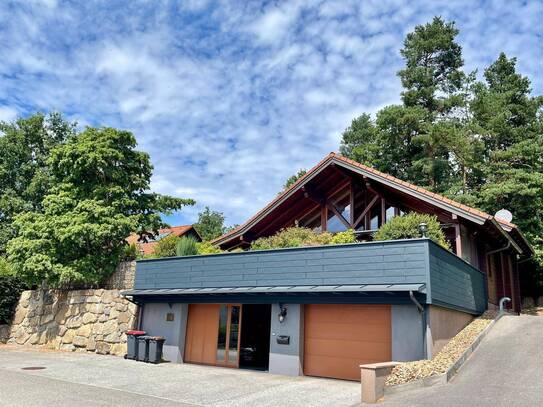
{"type": "Point", "coordinates": [81, 320]}
{"type": "Point", "coordinates": [123, 277]}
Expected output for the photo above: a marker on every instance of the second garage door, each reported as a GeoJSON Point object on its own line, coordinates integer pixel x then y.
{"type": "Point", "coordinates": [340, 337]}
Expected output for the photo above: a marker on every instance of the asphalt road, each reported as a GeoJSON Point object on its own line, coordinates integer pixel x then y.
{"type": "Point", "coordinates": [506, 370]}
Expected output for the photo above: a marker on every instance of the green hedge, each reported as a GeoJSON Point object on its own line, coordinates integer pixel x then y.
{"type": "Point", "coordinates": [301, 237]}
{"type": "Point", "coordinates": [10, 291]}
{"type": "Point", "coordinates": [408, 227]}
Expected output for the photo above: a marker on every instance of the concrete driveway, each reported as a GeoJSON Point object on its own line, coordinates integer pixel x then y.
{"type": "Point", "coordinates": [506, 370]}
{"type": "Point", "coordinates": [72, 379]}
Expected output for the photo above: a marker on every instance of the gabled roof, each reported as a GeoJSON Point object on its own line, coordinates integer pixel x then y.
{"type": "Point", "coordinates": [148, 247]}
{"type": "Point", "coordinates": [475, 215]}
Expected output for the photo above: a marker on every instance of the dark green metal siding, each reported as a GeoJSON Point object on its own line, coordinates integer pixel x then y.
{"type": "Point", "coordinates": [455, 283]}
{"type": "Point", "coordinates": [450, 281]}
{"type": "Point", "coordinates": [371, 263]}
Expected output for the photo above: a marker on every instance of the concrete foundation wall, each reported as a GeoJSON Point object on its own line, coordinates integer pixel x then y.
{"type": "Point", "coordinates": [407, 333]}
{"type": "Point", "coordinates": [156, 323]}
{"type": "Point", "coordinates": [442, 325]}
{"type": "Point", "coordinates": [287, 359]}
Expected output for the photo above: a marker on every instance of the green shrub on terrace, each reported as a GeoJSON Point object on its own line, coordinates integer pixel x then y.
{"type": "Point", "coordinates": [207, 248]}
{"type": "Point", "coordinates": [186, 246]}
{"type": "Point", "coordinates": [345, 237]}
{"type": "Point", "coordinates": [167, 246]}
{"type": "Point", "coordinates": [300, 237]}
{"type": "Point", "coordinates": [408, 227]}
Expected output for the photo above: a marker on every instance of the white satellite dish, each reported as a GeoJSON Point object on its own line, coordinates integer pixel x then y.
{"type": "Point", "coordinates": [504, 214]}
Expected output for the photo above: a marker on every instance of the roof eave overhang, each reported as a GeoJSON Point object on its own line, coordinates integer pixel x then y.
{"type": "Point", "coordinates": [477, 219]}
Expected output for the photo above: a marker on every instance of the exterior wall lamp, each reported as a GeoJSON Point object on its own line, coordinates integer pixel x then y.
{"type": "Point", "coordinates": [423, 228]}
{"type": "Point", "coordinates": [282, 313]}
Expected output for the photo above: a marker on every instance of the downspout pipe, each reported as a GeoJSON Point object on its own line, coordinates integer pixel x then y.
{"type": "Point", "coordinates": [416, 302]}
{"type": "Point", "coordinates": [421, 310]}
{"type": "Point", "coordinates": [508, 246]}
{"type": "Point", "coordinates": [140, 309]}
{"type": "Point", "coordinates": [503, 300]}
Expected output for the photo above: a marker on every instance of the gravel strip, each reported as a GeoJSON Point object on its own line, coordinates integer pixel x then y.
{"type": "Point", "coordinates": [420, 369]}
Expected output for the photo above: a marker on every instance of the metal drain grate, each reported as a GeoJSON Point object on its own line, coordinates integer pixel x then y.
{"type": "Point", "coordinates": [33, 368]}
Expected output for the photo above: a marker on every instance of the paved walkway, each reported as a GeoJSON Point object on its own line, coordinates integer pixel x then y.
{"type": "Point", "coordinates": [77, 379]}
{"type": "Point", "coordinates": [506, 370]}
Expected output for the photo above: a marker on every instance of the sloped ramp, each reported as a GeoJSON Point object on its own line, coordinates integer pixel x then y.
{"type": "Point", "coordinates": [505, 370]}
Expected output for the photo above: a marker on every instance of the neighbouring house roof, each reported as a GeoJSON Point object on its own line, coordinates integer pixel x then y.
{"type": "Point", "coordinates": [148, 247]}
{"type": "Point", "coordinates": [507, 229]}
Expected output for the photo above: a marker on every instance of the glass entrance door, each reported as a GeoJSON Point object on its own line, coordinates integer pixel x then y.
{"type": "Point", "coordinates": [229, 335]}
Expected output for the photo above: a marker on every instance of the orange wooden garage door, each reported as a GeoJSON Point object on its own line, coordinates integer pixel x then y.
{"type": "Point", "coordinates": [340, 337]}
{"type": "Point", "coordinates": [202, 333]}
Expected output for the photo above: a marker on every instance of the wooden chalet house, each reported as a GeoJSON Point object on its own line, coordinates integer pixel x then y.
{"type": "Point", "coordinates": [323, 311]}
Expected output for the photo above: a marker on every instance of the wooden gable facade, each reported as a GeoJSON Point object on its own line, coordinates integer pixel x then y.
{"type": "Point", "coordinates": [340, 194]}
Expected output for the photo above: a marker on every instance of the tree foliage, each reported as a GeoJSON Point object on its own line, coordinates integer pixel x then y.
{"type": "Point", "coordinates": [479, 142]}
{"type": "Point", "coordinates": [99, 195]}
{"type": "Point", "coordinates": [293, 178]}
{"type": "Point", "coordinates": [25, 178]}
{"type": "Point", "coordinates": [166, 247]}
{"type": "Point", "coordinates": [210, 224]}
{"type": "Point", "coordinates": [10, 290]}
{"type": "Point", "coordinates": [408, 227]}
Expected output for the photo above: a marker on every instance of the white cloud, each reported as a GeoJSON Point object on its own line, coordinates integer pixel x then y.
{"type": "Point", "coordinates": [232, 98]}
{"type": "Point", "coordinates": [7, 113]}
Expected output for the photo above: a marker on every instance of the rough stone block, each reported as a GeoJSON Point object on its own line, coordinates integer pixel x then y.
{"type": "Point", "coordinates": [114, 337]}
{"type": "Point", "coordinates": [85, 331]}
{"type": "Point", "coordinates": [69, 336]}
{"type": "Point", "coordinates": [102, 348]}
{"type": "Point", "coordinates": [66, 346]}
{"type": "Point", "coordinates": [74, 322]}
{"type": "Point", "coordinates": [123, 317]}
{"type": "Point", "coordinates": [91, 345]}
{"type": "Point", "coordinates": [110, 327]}
{"type": "Point", "coordinates": [89, 318]}
{"type": "Point", "coordinates": [80, 341]}
{"type": "Point", "coordinates": [20, 315]}
{"type": "Point", "coordinates": [118, 349]}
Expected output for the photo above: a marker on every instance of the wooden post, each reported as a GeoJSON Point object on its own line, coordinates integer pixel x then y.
{"type": "Point", "coordinates": [351, 204]}
{"type": "Point", "coordinates": [457, 237]}
{"type": "Point", "coordinates": [324, 218]}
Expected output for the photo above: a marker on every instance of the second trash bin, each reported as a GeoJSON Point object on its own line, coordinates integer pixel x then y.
{"type": "Point", "coordinates": [132, 344]}
{"type": "Point", "coordinates": [143, 348]}
{"type": "Point", "coordinates": [155, 348]}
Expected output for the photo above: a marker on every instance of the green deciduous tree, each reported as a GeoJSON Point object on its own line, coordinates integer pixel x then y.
{"type": "Point", "coordinates": [25, 179]}
{"type": "Point", "coordinates": [210, 224]}
{"type": "Point", "coordinates": [100, 194]}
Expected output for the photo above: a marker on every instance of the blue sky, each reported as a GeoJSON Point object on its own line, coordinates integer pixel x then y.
{"type": "Point", "coordinates": [230, 98]}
